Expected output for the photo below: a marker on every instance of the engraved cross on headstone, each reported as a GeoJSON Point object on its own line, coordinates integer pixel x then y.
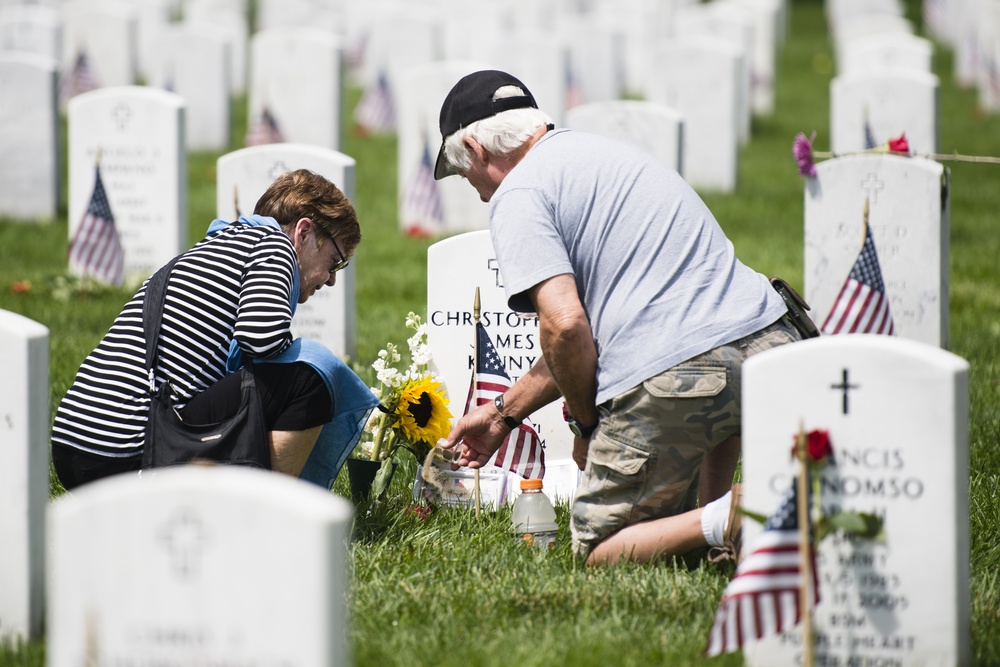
{"type": "Point", "coordinates": [278, 169]}
{"type": "Point", "coordinates": [845, 386]}
{"type": "Point", "coordinates": [184, 537]}
{"type": "Point", "coordinates": [121, 115]}
{"type": "Point", "coordinates": [872, 185]}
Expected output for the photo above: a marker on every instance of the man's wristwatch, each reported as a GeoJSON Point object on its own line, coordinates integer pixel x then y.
{"type": "Point", "coordinates": [507, 419]}
{"type": "Point", "coordinates": [580, 430]}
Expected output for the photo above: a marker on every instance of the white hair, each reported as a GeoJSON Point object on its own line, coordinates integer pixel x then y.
{"type": "Point", "coordinates": [500, 135]}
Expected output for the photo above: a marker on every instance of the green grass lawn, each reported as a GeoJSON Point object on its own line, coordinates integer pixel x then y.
{"type": "Point", "coordinates": [455, 589]}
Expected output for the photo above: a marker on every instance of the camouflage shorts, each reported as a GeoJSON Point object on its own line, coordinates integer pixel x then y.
{"type": "Point", "coordinates": [644, 459]}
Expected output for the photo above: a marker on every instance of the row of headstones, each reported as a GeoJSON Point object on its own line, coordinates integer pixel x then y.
{"type": "Point", "coordinates": [885, 85]}
{"type": "Point", "coordinates": [168, 568]}
{"type": "Point", "coordinates": [972, 29]}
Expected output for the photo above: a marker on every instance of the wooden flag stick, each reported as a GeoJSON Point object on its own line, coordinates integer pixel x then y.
{"type": "Point", "coordinates": [805, 566]}
{"type": "Point", "coordinates": [865, 235]}
{"type": "Point", "coordinates": [476, 311]}
{"type": "Point", "coordinates": [236, 201]}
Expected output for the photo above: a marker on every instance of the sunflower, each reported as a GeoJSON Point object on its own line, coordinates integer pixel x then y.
{"type": "Point", "coordinates": [423, 411]}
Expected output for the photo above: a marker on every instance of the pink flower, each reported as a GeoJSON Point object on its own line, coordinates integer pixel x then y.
{"type": "Point", "coordinates": [899, 144]}
{"type": "Point", "coordinates": [802, 150]}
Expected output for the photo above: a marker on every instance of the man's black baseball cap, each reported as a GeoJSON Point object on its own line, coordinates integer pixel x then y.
{"type": "Point", "coordinates": [471, 99]}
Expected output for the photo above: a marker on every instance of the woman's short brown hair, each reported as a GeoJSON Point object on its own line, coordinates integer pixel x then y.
{"type": "Point", "coordinates": [305, 194]}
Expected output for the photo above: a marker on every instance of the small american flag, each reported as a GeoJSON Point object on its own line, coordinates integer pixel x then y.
{"type": "Point", "coordinates": [375, 111]}
{"type": "Point", "coordinates": [423, 212]}
{"type": "Point", "coordinates": [95, 249]}
{"type": "Point", "coordinates": [264, 130]}
{"type": "Point", "coordinates": [522, 451]}
{"type": "Point", "coordinates": [862, 305]}
{"type": "Point", "coordinates": [763, 598]}
{"type": "Point", "coordinates": [79, 79]}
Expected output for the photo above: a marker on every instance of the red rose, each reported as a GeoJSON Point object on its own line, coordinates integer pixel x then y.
{"type": "Point", "coordinates": [818, 445]}
{"type": "Point", "coordinates": [899, 144]}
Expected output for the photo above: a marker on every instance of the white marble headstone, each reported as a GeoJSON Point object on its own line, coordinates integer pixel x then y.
{"type": "Point", "coordinates": [243, 176]}
{"type": "Point", "coordinates": [893, 100]}
{"type": "Point", "coordinates": [881, 51]}
{"type": "Point", "coordinates": [195, 63]}
{"type": "Point", "coordinates": [29, 137]}
{"type": "Point", "coordinates": [897, 412]}
{"type": "Point", "coordinates": [700, 78]}
{"type": "Point", "coordinates": [106, 31]}
{"type": "Point", "coordinates": [596, 59]}
{"type": "Point", "coordinates": [31, 29]}
{"type": "Point", "coordinates": [24, 475]}
{"type": "Point", "coordinates": [429, 207]}
{"type": "Point", "coordinates": [734, 25]}
{"type": "Point", "coordinates": [909, 218]}
{"type": "Point", "coordinates": [654, 127]}
{"type": "Point", "coordinates": [402, 36]}
{"type": "Point", "coordinates": [138, 134]}
{"type": "Point", "coordinates": [455, 268]}
{"type": "Point", "coordinates": [988, 51]}
{"type": "Point", "coordinates": [231, 26]}
{"type": "Point", "coordinates": [296, 73]}
{"type": "Point", "coordinates": [767, 17]}
{"type": "Point", "coordinates": [199, 565]}
{"type": "Point", "coordinates": [300, 14]}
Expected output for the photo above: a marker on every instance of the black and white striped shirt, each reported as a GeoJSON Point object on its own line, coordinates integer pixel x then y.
{"type": "Point", "coordinates": [234, 284]}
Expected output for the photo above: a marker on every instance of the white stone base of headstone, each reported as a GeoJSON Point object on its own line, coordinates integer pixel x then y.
{"type": "Point", "coordinates": [199, 565]}
{"type": "Point", "coordinates": [897, 413]}
{"type": "Point", "coordinates": [24, 474]}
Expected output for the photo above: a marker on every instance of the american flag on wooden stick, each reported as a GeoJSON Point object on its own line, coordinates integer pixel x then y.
{"type": "Point", "coordinates": [763, 598]}
{"type": "Point", "coordinates": [79, 79]}
{"type": "Point", "coordinates": [376, 111]}
{"type": "Point", "coordinates": [423, 211]}
{"type": "Point", "coordinates": [862, 305]}
{"type": "Point", "coordinates": [522, 451]}
{"type": "Point", "coordinates": [264, 130]}
{"type": "Point", "coordinates": [95, 249]}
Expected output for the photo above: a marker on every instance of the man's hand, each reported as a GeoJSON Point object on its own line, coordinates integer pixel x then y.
{"type": "Point", "coordinates": [477, 436]}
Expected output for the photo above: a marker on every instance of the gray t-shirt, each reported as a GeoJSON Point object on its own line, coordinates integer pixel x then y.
{"type": "Point", "coordinates": [656, 274]}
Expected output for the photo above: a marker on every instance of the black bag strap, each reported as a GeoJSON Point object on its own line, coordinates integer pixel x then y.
{"type": "Point", "coordinates": [152, 315]}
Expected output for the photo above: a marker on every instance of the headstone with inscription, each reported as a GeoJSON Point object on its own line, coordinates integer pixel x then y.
{"type": "Point", "coordinates": [33, 29]}
{"type": "Point", "coordinates": [700, 78]}
{"type": "Point", "coordinates": [908, 200]}
{"type": "Point", "coordinates": [295, 73]}
{"type": "Point", "coordinates": [655, 127]}
{"type": "Point", "coordinates": [24, 475]}
{"type": "Point", "coordinates": [767, 18]}
{"type": "Point", "coordinates": [455, 268]}
{"type": "Point", "coordinates": [29, 137]}
{"type": "Point", "coordinates": [897, 413]}
{"type": "Point", "coordinates": [199, 565]}
{"type": "Point", "coordinates": [428, 207]}
{"type": "Point", "coordinates": [243, 176]}
{"type": "Point", "coordinates": [136, 133]}
{"type": "Point", "coordinates": [890, 102]}
{"type": "Point", "coordinates": [194, 63]}
{"type": "Point", "coordinates": [106, 33]}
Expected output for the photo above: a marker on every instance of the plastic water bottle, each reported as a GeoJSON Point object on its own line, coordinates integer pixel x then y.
{"type": "Point", "coordinates": [533, 517]}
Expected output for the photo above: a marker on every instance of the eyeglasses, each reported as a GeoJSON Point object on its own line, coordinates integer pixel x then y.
{"type": "Point", "coordinates": [342, 264]}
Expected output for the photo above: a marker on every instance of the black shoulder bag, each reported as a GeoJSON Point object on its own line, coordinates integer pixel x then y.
{"type": "Point", "coordinates": [240, 440]}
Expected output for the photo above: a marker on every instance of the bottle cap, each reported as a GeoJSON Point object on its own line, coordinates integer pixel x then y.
{"type": "Point", "coordinates": [531, 484]}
